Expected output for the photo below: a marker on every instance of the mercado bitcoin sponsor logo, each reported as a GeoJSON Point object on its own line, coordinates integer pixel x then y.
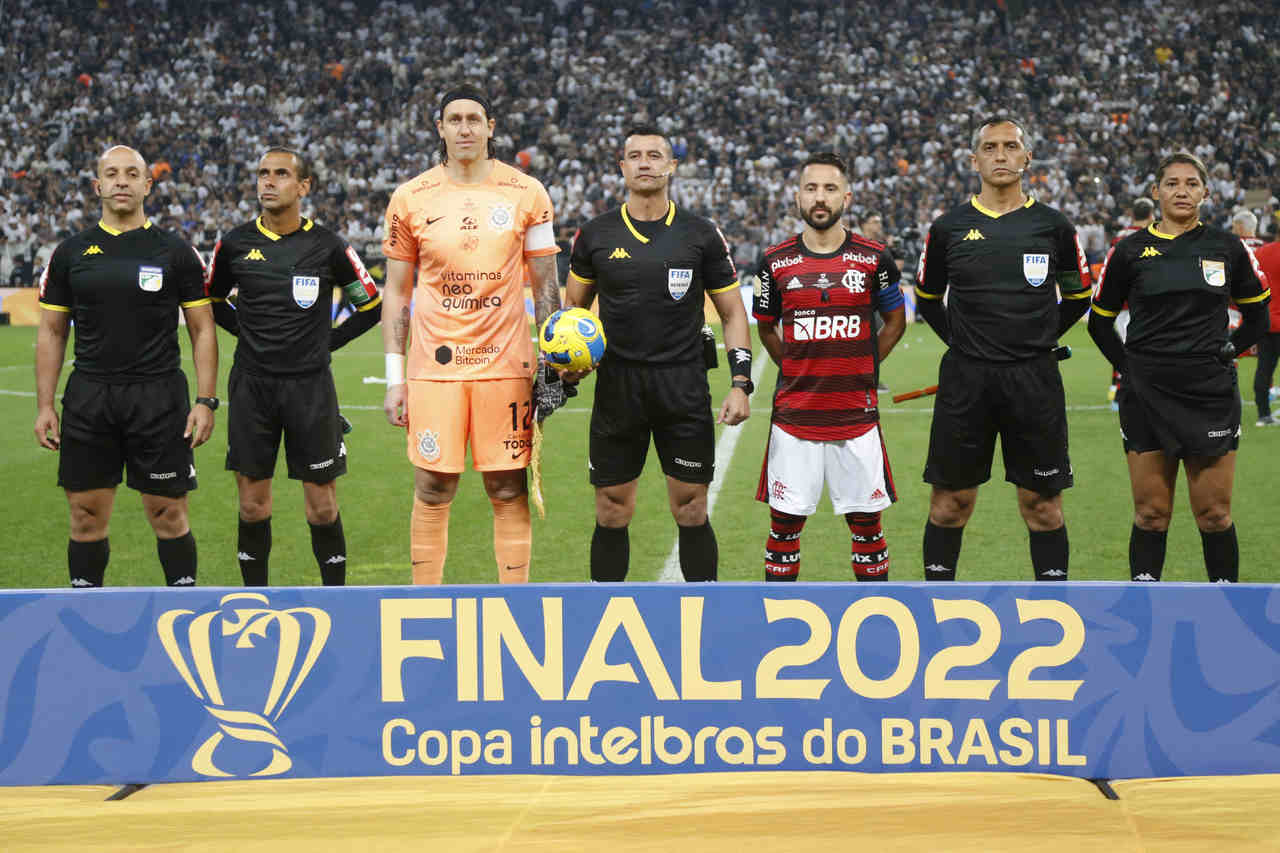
{"type": "Point", "coordinates": [245, 663]}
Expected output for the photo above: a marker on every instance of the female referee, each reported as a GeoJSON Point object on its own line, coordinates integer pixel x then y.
{"type": "Point", "coordinates": [1179, 400]}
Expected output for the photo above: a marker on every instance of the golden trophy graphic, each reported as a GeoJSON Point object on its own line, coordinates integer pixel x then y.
{"type": "Point", "coordinates": [189, 638]}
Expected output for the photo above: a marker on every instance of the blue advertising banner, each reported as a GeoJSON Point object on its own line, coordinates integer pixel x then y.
{"type": "Point", "coordinates": [1084, 679]}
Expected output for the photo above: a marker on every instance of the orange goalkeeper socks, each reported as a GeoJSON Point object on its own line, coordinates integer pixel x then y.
{"type": "Point", "coordinates": [429, 540]}
{"type": "Point", "coordinates": [512, 538]}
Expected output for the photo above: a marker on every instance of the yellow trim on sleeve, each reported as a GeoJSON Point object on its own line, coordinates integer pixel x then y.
{"type": "Point", "coordinates": [1079, 294]}
{"type": "Point", "coordinates": [587, 281]}
{"type": "Point", "coordinates": [926, 295]}
{"type": "Point", "coordinates": [1249, 300]}
{"type": "Point", "coordinates": [1103, 311]}
{"type": "Point", "coordinates": [726, 287]}
{"type": "Point", "coordinates": [196, 303]}
{"type": "Point", "coordinates": [47, 306]}
{"type": "Point", "coordinates": [372, 303]}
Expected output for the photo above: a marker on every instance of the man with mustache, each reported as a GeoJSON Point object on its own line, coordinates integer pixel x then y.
{"type": "Point", "coordinates": [814, 306]}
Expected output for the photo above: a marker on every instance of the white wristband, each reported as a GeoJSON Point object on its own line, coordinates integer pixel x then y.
{"type": "Point", "coordinates": [395, 369]}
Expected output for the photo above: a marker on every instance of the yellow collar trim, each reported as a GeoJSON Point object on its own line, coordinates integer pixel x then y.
{"type": "Point", "coordinates": [978, 206]}
{"type": "Point", "coordinates": [116, 233]}
{"type": "Point", "coordinates": [626, 220]}
{"type": "Point", "coordinates": [1163, 236]}
{"type": "Point", "coordinates": [271, 235]}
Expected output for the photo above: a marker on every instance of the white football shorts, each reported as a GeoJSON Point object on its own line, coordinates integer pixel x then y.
{"type": "Point", "coordinates": [853, 469]}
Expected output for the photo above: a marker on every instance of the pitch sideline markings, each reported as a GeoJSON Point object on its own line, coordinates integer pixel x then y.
{"type": "Point", "coordinates": [724, 454]}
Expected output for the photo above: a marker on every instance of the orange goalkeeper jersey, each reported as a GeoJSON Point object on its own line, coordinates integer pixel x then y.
{"type": "Point", "coordinates": [470, 243]}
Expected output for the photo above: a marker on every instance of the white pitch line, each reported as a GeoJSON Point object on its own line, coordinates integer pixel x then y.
{"type": "Point", "coordinates": [18, 393]}
{"type": "Point", "coordinates": [724, 453]}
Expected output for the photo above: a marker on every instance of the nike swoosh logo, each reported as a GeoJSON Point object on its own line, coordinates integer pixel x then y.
{"type": "Point", "coordinates": [517, 455]}
{"type": "Point", "coordinates": [516, 568]}
{"type": "Point", "coordinates": [437, 219]}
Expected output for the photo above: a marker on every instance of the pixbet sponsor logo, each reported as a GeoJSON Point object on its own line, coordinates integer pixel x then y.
{"type": "Point", "coordinates": [783, 263]}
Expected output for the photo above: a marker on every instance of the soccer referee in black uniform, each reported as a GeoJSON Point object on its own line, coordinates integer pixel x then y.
{"type": "Point", "coordinates": [1180, 399]}
{"type": "Point", "coordinates": [650, 263]}
{"type": "Point", "coordinates": [285, 268]}
{"type": "Point", "coordinates": [1004, 256]}
{"type": "Point", "coordinates": [126, 401]}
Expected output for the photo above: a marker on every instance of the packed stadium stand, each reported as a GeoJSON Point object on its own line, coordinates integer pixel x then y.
{"type": "Point", "coordinates": [745, 88]}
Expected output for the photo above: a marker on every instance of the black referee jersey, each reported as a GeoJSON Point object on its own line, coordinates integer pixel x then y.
{"type": "Point", "coordinates": [285, 305]}
{"type": "Point", "coordinates": [650, 278]}
{"type": "Point", "coordinates": [123, 290]}
{"type": "Point", "coordinates": [1177, 288]}
{"type": "Point", "coordinates": [1002, 269]}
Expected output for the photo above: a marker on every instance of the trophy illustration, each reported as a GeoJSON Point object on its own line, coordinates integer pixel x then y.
{"type": "Point", "coordinates": [191, 642]}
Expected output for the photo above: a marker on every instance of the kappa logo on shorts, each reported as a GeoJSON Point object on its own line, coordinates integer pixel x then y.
{"type": "Point", "coordinates": [429, 445]}
{"type": "Point", "coordinates": [679, 282]}
{"type": "Point", "coordinates": [306, 290]}
{"type": "Point", "coordinates": [1035, 269]}
{"type": "Point", "coordinates": [150, 279]}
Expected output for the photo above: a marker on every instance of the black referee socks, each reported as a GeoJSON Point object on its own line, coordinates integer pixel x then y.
{"type": "Point", "coordinates": [329, 544]}
{"type": "Point", "coordinates": [253, 550]}
{"type": "Point", "coordinates": [178, 559]}
{"type": "Point", "coordinates": [610, 554]}
{"type": "Point", "coordinates": [699, 553]}
{"type": "Point", "coordinates": [941, 551]}
{"type": "Point", "coordinates": [1146, 553]}
{"type": "Point", "coordinates": [1221, 555]}
{"type": "Point", "coordinates": [87, 562]}
{"type": "Point", "coordinates": [1050, 554]}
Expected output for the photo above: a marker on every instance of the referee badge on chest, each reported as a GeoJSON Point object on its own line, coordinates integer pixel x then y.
{"type": "Point", "coordinates": [306, 290]}
{"type": "Point", "coordinates": [1035, 268]}
{"type": "Point", "coordinates": [150, 279]}
{"type": "Point", "coordinates": [1215, 272]}
{"type": "Point", "coordinates": [678, 283]}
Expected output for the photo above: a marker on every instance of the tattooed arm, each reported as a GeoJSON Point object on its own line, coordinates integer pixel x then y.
{"type": "Point", "coordinates": [395, 336]}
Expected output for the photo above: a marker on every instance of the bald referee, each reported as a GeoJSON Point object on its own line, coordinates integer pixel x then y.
{"type": "Point", "coordinates": [1004, 256]}
{"type": "Point", "coordinates": [126, 402]}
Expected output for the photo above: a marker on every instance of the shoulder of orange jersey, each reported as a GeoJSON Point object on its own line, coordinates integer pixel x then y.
{"type": "Point", "coordinates": [424, 181]}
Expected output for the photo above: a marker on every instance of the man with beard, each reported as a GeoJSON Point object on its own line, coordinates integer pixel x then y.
{"type": "Point", "coordinates": [1001, 254]}
{"type": "Point", "coordinates": [650, 264]}
{"type": "Point", "coordinates": [817, 295]}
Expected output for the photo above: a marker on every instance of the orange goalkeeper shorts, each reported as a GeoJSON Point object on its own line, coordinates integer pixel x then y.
{"type": "Point", "coordinates": [495, 416]}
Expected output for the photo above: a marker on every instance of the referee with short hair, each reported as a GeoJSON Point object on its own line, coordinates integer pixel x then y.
{"type": "Point", "coordinates": [285, 268]}
{"type": "Point", "coordinates": [1003, 256]}
{"type": "Point", "coordinates": [1180, 400]}
{"type": "Point", "coordinates": [650, 262]}
{"type": "Point", "coordinates": [126, 401]}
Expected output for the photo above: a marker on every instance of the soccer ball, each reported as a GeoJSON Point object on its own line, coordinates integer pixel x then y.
{"type": "Point", "coordinates": [572, 339]}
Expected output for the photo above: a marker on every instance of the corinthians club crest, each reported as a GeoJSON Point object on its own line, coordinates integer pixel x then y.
{"type": "Point", "coordinates": [219, 652]}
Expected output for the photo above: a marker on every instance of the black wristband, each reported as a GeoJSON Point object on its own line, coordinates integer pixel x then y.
{"type": "Point", "coordinates": [739, 361]}
{"type": "Point", "coordinates": [211, 403]}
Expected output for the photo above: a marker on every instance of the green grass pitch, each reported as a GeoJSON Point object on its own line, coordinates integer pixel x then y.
{"type": "Point", "coordinates": [376, 495]}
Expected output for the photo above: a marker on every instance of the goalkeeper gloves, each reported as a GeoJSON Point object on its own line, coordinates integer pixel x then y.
{"type": "Point", "coordinates": [550, 391]}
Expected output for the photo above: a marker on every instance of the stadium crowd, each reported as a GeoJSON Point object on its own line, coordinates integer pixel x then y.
{"type": "Point", "coordinates": [746, 89]}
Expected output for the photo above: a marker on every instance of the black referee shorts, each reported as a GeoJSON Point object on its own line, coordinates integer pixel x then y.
{"type": "Point", "coordinates": [137, 425]}
{"type": "Point", "coordinates": [1022, 402]}
{"type": "Point", "coordinates": [1182, 405]}
{"type": "Point", "coordinates": [673, 403]}
{"type": "Point", "coordinates": [304, 408]}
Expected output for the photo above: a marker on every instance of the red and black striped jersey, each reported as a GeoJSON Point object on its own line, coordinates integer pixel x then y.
{"type": "Point", "coordinates": [823, 305]}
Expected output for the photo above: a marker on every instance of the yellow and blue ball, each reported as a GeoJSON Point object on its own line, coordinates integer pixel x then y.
{"type": "Point", "coordinates": [572, 339]}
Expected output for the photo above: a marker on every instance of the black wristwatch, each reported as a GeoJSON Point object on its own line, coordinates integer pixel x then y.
{"type": "Point", "coordinates": [745, 384]}
{"type": "Point", "coordinates": [209, 402]}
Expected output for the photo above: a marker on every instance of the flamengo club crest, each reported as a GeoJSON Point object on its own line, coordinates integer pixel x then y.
{"type": "Point", "coordinates": [678, 283]}
{"type": "Point", "coordinates": [219, 652]}
{"type": "Point", "coordinates": [1035, 268]}
{"type": "Point", "coordinates": [306, 290]}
